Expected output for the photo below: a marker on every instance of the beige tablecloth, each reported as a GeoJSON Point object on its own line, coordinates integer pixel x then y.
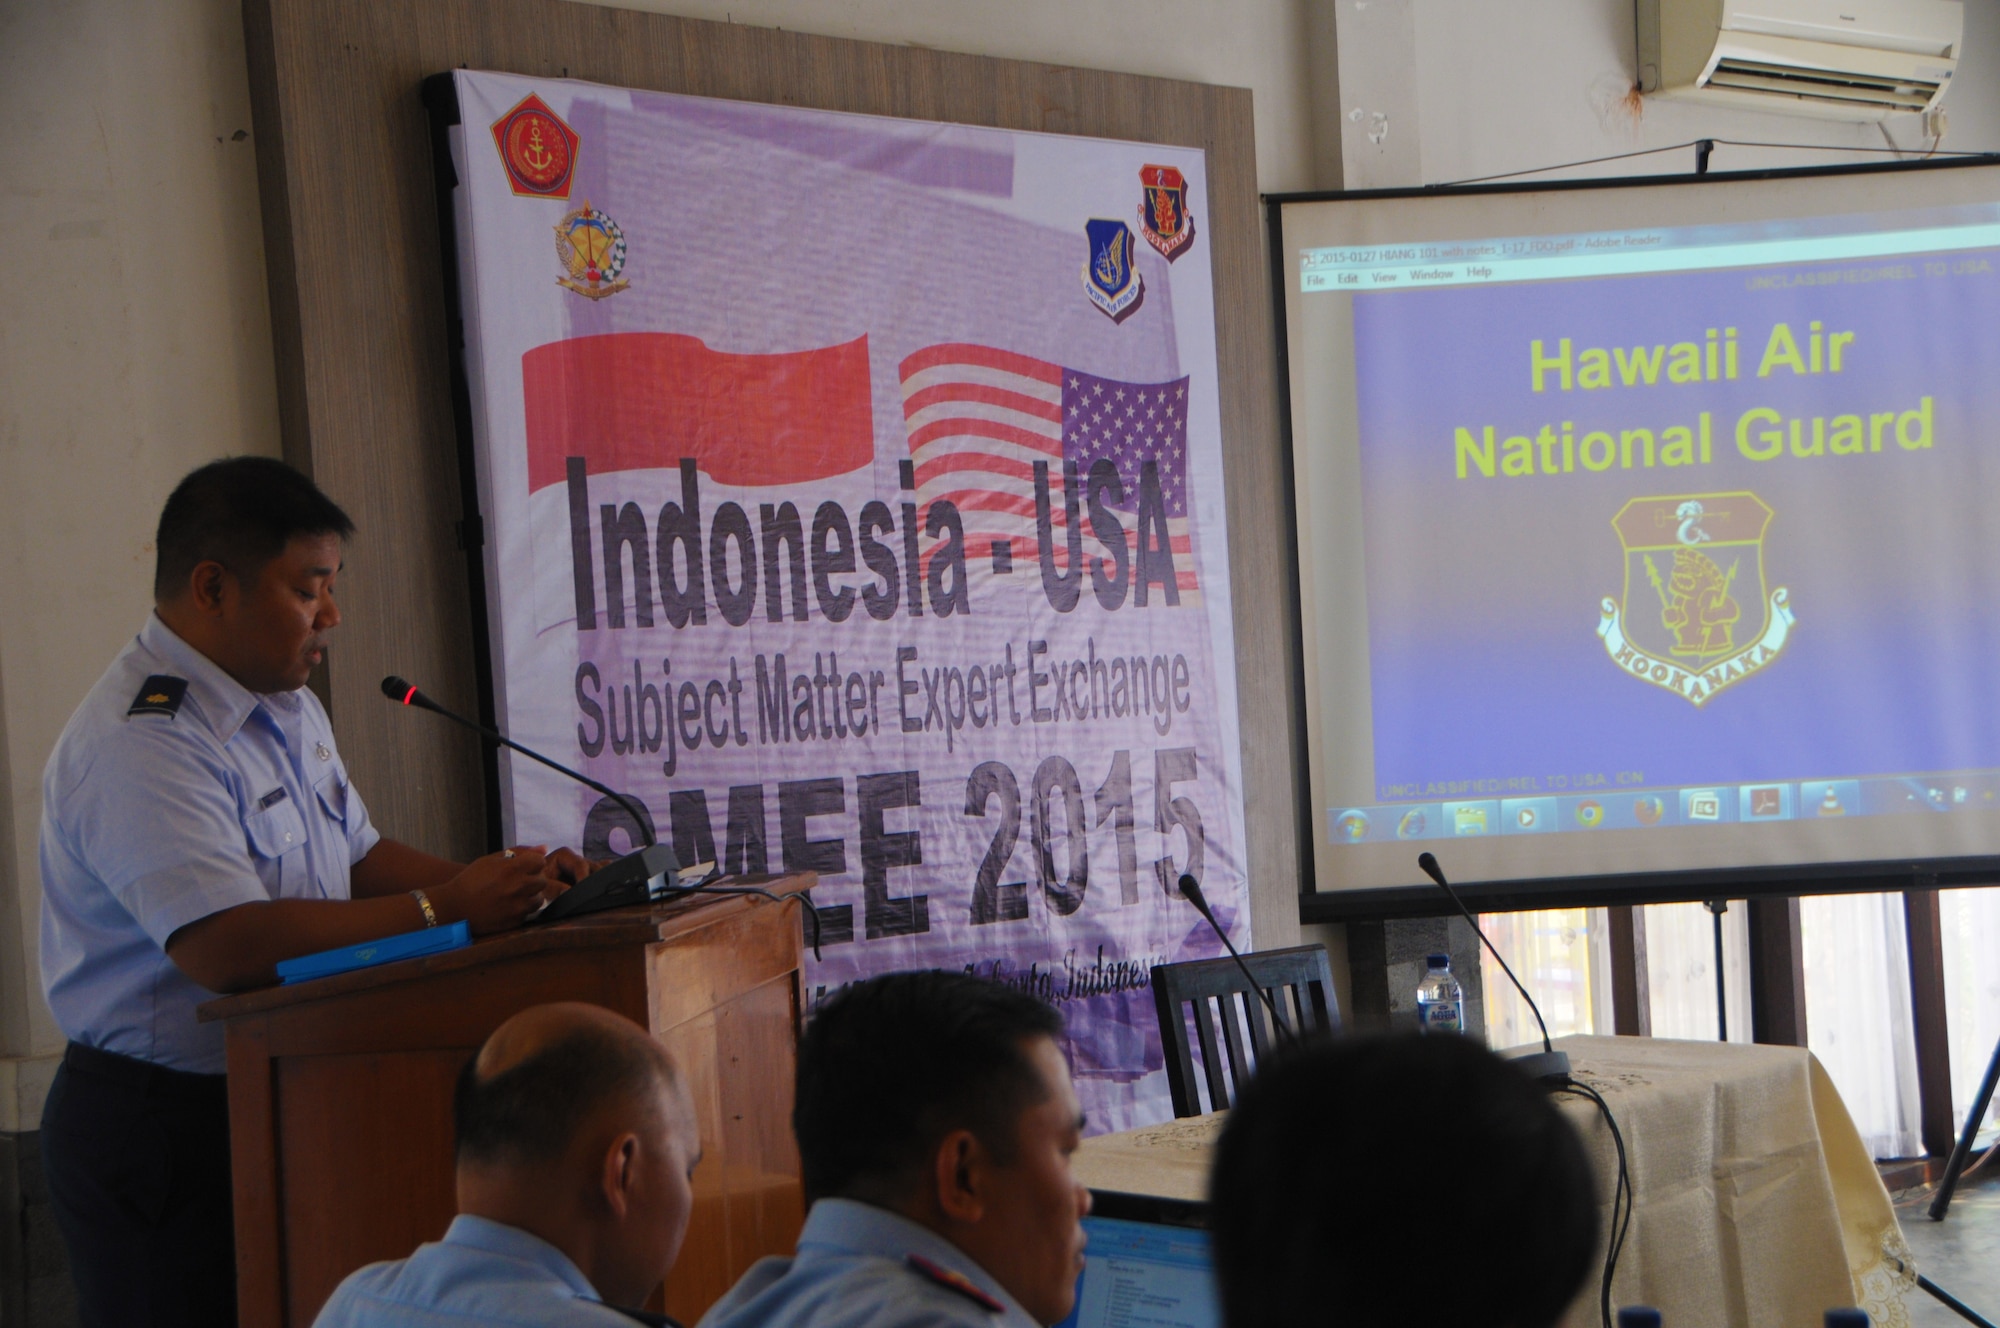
{"type": "Point", "coordinates": [1757, 1205]}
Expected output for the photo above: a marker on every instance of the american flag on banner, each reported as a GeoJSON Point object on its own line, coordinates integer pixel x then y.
{"type": "Point", "coordinates": [979, 419]}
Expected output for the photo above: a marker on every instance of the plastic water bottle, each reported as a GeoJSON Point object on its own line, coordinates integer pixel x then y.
{"type": "Point", "coordinates": [1440, 1001]}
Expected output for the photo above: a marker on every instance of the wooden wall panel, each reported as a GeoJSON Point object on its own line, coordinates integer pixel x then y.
{"type": "Point", "coordinates": [357, 310]}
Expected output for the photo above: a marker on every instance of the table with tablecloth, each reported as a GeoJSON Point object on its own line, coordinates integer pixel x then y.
{"type": "Point", "coordinates": [1757, 1205]}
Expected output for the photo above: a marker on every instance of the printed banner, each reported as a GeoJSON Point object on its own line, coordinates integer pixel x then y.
{"type": "Point", "coordinates": [852, 493]}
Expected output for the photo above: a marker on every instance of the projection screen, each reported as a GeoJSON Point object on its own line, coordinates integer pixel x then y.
{"type": "Point", "coordinates": [1646, 535]}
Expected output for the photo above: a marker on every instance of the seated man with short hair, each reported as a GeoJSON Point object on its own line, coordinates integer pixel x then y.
{"type": "Point", "coordinates": [576, 1145]}
{"type": "Point", "coordinates": [935, 1121]}
{"type": "Point", "coordinates": [1412, 1179]}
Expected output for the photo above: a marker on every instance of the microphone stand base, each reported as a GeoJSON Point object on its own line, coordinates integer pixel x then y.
{"type": "Point", "coordinates": [1548, 1067]}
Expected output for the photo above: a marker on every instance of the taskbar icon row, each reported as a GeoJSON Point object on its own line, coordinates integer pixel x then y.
{"type": "Point", "coordinates": [1719, 804]}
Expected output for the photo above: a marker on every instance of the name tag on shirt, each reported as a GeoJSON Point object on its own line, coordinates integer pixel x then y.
{"type": "Point", "coordinates": [271, 799]}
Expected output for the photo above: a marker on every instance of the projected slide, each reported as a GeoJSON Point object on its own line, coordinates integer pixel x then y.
{"type": "Point", "coordinates": [1673, 529]}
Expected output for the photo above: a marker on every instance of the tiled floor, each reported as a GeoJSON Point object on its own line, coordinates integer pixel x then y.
{"type": "Point", "coordinates": [1961, 1254]}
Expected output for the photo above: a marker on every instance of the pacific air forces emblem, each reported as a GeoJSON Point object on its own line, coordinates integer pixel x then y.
{"type": "Point", "coordinates": [1163, 215]}
{"type": "Point", "coordinates": [537, 148]}
{"type": "Point", "coordinates": [1697, 615]}
{"type": "Point", "coordinates": [592, 249]}
{"type": "Point", "coordinates": [1109, 276]}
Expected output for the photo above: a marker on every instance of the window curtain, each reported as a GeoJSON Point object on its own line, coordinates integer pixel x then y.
{"type": "Point", "coordinates": [1680, 970]}
{"type": "Point", "coordinates": [1858, 1013]}
{"type": "Point", "coordinates": [1971, 921]}
{"type": "Point", "coordinates": [1563, 956]}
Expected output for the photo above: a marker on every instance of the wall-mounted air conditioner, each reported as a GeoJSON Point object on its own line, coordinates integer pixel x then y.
{"type": "Point", "coordinates": [1843, 59]}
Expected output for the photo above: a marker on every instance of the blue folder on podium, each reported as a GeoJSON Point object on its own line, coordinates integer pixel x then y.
{"type": "Point", "coordinates": [408, 945]}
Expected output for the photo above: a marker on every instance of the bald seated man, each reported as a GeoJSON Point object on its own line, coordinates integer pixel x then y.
{"type": "Point", "coordinates": [576, 1148]}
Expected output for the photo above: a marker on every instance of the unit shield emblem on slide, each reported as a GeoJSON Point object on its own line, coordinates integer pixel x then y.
{"type": "Point", "coordinates": [1163, 215]}
{"type": "Point", "coordinates": [1696, 615]}
{"type": "Point", "coordinates": [537, 148]}
{"type": "Point", "coordinates": [1110, 277]}
{"type": "Point", "coordinates": [592, 249]}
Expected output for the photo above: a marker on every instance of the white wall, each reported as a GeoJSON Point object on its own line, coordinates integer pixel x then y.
{"type": "Point", "coordinates": [134, 345]}
{"type": "Point", "coordinates": [1528, 83]}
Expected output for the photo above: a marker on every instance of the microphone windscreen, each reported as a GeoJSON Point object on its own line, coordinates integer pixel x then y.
{"type": "Point", "coordinates": [1430, 867]}
{"type": "Point", "coordinates": [396, 689]}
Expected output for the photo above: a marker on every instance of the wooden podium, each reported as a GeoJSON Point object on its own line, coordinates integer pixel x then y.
{"type": "Point", "coordinates": [340, 1090]}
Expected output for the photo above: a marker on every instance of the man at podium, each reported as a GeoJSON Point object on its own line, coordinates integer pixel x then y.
{"type": "Point", "coordinates": [198, 827]}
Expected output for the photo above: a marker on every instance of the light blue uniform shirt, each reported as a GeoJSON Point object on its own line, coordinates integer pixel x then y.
{"type": "Point", "coordinates": [481, 1272]}
{"type": "Point", "coordinates": [854, 1269]}
{"type": "Point", "coordinates": [152, 821]}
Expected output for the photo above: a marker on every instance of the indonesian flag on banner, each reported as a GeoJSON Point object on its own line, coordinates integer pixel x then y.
{"type": "Point", "coordinates": [980, 418]}
{"type": "Point", "coordinates": [643, 400]}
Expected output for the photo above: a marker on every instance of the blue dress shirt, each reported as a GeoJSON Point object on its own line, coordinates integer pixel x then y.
{"type": "Point", "coordinates": [154, 820]}
{"type": "Point", "coordinates": [481, 1272]}
{"type": "Point", "coordinates": [860, 1266]}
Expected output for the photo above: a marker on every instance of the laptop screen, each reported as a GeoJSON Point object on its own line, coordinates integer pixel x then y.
{"type": "Point", "coordinates": [1145, 1275]}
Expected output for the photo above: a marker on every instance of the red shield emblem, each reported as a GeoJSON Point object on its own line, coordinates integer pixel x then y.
{"type": "Point", "coordinates": [1163, 216]}
{"type": "Point", "coordinates": [537, 148]}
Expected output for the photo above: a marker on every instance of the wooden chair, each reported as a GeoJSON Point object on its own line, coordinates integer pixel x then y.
{"type": "Point", "coordinates": [1300, 983]}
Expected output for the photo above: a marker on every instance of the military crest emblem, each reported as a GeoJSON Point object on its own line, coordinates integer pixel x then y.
{"type": "Point", "coordinates": [1109, 276]}
{"type": "Point", "coordinates": [1163, 216]}
{"type": "Point", "coordinates": [1697, 615]}
{"type": "Point", "coordinates": [537, 148]}
{"type": "Point", "coordinates": [592, 250]}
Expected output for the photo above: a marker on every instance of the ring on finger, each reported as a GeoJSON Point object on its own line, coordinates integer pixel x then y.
{"type": "Point", "coordinates": [506, 852]}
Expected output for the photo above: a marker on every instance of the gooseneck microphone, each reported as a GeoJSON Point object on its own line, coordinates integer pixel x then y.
{"type": "Point", "coordinates": [632, 879]}
{"type": "Point", "coordinates": [405, 693]}
{"type": "Point", "coordinates": [1548, 1065]}
{"type": "Point", "coordinates": [1191, 891]}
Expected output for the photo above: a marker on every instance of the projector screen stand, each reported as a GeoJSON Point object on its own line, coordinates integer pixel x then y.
{"type": "Point", "coordinates": [1974, 1118]}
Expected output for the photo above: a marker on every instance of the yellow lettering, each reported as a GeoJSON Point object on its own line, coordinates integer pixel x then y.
{"type": "Point", "coordinates": [1818, 445]}
{"type": "Point", "coordinates": [1921, 417]}
{"type": "Point", "coordinates": [1625, 441]}
{"type": "Point", "coordinates": [1637, 368]}
{"type": "Point", "coordinates": [1481, 454]}
{"type": "Point", "coordinates": [1517, 456]}
{"type": "Point", "coordinates": [1877, 423]}
{"type": "Point", "coordinates": [1590, 440]}
{"type": "Point", "coordinates": [1537, 362]}
{"type": "Point", "coordinates": [1835, 344]}
{"type": "Point", "coordinates": [1773, 439]}
{"type": "Point", "coordinates": [1677, 446]}
{"type": "Point", "coordinates": [1781, 349]}
{"type": "Point", "coordinates": [1684, 363]}
{"type": "Point", "coordinates": [1593, 369]}
{"type": "Point", "coordinates": [1846, 440]}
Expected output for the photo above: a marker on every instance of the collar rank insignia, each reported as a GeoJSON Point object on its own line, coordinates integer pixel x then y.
{"type": "Point", "coordinates": [1163, 216]}
{"type": "Point", "coordinates": [1697, 614]}
{"type": "Point", "coordinates": [952, 1280]}
{"type": "Point", "coordinates": [159, 695]}
{"type": "Point", "coordinates": [1109, 277]}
